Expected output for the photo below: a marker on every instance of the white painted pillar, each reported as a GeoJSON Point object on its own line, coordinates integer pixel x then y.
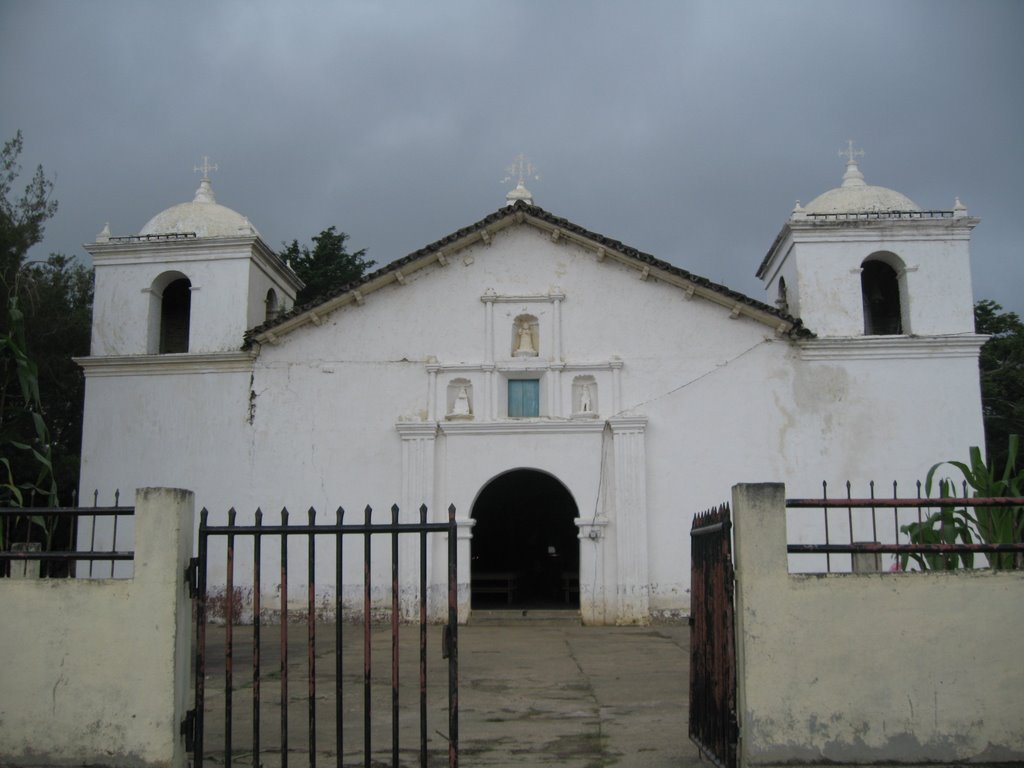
{"type": "Point", "coordinates": [556, 327]}
{"type": "Point", "coordinates": [432, 369]}
{"type": "Point", "coordinates": [488, 300]}
{"type": "Point", "coordinates": [592, 571]}
{"type": "Point", "coordinates": [633, 587]}
{"type": "Point", "coordinates": [557, 365]}
{"type": "Point", "coordinates": [488, 407]}
{"type": "Point", "coordinates": [418, 443]}
{"type": "Point", "coordinates": [465, 538]}
{"type": "Point", "coordinates": [555, 408]}
{"type": "Point", "coordinates": [616, 366]}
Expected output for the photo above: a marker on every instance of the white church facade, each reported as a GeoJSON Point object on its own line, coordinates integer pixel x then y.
{"type": "Point", "coordinates": [575, 399]}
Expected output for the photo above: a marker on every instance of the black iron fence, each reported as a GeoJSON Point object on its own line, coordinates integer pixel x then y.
{"type": "Point", "coordinates": [713, 723]}
{"type": "Point", "coordinates": [64, 542]}
{"type": "Point", "coordinates": [875, 534]}
{"type": "Point", "coordinates": [265, 726]}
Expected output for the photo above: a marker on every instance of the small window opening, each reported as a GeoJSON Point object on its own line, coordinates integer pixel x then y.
{"type": "Point", "coordinates": [524, 398]}
{"type": "Point", "coordinates": [175, 311]}
{"type": "Point", "coordinates": [880, 292]}
{"type": "Point", "coordinates": [273, 308]}
{"type": "Point", "coordinates": [782, 300]}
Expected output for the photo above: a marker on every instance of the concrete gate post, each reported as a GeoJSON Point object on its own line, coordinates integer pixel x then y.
{"type": "Point", "coordinates": [100, 667]}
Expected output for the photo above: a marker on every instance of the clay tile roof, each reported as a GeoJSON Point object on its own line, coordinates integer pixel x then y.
{"type": "Point", "coordinates": [522, 210]}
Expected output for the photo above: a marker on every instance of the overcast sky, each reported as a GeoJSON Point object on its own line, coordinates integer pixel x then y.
{"type": "Point", "coordinates": [684, 129]}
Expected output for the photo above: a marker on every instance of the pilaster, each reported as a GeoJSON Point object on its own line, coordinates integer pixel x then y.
{"type": "Point", "coordinates": [593, 590]}
{"type": "Point", "coordinates": [616, 366]}
{"type": "Point", "coordinates": [419, 440]}
{"type": "Point", "coordinates": [630, 456]}
{"type": "Point", "coordinates": [463, 552]}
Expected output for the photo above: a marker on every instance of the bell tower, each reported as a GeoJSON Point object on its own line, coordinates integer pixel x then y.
{"type": "Point", "coordinates": [864, 260]}
{"type": "Point", "coordinates": [193, 281]}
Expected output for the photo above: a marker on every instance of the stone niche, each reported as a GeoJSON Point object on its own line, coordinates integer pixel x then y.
{"type": "Point", "coordinates": [584, 397]}
{"type": "Point", "coordinates": [525, 336]}
{"type": "Point", "coordinates": [459, 399]}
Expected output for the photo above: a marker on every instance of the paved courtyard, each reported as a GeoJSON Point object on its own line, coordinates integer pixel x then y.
{"type": "Point", "coordinates": [538, 693]}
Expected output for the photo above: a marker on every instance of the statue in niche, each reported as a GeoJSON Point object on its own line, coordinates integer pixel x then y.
{"type": "Point", "coordinates": [586, 406]}
{"type": "Point", "coordinates": [524, 344]}
{"type": "Point", "coordinates": [462, 406]}
{"type": "Point", "coordinates": [584, 396]}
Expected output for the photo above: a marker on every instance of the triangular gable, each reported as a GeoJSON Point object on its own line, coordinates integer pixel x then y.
{"type": "Point", "coordinates": [442, 250]}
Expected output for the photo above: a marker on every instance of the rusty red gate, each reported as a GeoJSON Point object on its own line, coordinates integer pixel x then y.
{"type": "Point", "coordinates": [713, 725]}
{"type": "Point", "coordinates": [243, 689]}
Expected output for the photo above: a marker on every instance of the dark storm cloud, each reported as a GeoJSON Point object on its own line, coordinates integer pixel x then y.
{"type": "Point", "coordinates": [685, 129]}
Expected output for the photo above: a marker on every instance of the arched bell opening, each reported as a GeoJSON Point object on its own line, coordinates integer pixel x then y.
{"type": "Point", "coordinates": [881, 295]}
{"type": "Point", "coordinates": [170, 314]}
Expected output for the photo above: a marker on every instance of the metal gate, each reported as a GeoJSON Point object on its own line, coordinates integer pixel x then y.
{"type": "Point", "coordinates": [713, 724]}
{"type": "Point", "coordinates": [253, 724]}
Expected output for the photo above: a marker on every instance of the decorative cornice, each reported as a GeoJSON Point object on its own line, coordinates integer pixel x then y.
{"type": "Point", "coordinates": [161, 249]}
{"type": "Point", "coordinates": [628, 423]}
{"type": "Point", "coordinates": [591, 528]}
{"type": "Point", "coordinates": [891, 347]}
{"type": "Point", "coordinates": [496, 298]}
{"type": "Point", "coordinates": [171, 364]}
{"type": "Point", "coordinates": [522, 427]}
{"type": "Point", "coordinates": [415, 430]}
{"type": "Point", "coordinates": [867, 228]}
{"type": "Point", "coordinates": [523, 365]}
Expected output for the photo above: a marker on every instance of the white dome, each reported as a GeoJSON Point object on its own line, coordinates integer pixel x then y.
{"type": "Point", "coordinates": [203, 215]}
{"type": "Point", "coordinates": [854, 196]}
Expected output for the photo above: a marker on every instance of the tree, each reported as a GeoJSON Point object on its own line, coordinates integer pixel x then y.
{"type": "Point", "coordinates": [21, 219]}
{"type": "Point", "coordinates": [25, 440]}
{"type": "Point", "coordinates": [327, 267]}
{"type": "Point", "coordinates": [1002, 377]}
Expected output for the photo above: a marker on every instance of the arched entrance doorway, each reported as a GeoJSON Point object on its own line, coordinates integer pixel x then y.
{"type": "Point", "coordinates": [525, 551]}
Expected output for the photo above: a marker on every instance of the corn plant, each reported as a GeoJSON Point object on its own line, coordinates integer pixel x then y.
{"type": "Point", "coordinates": [991, 525]}
{"type": "Point", "coordinates": [13, 345]}
{"type": "Point", "coordinates": [947, 526]}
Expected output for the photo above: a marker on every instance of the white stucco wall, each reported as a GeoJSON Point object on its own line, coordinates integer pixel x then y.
{"type": "Point", "coordinates": [886, 668]}
{"type": "Point", "coordinates": [351, 411]}
{"type": "Point", "coordinates": [99, 671]}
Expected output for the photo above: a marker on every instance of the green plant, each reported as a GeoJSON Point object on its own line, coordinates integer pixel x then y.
{"type": "Point", "coordinates": [947, 526]}
{"type": "Point", "coordinates": [13, 344]}
{"type": "Point", "coordinates": [991, 525]}
{"type": "Point", "coordinates": [12, 494]}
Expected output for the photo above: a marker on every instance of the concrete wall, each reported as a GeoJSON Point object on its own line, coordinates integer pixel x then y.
{"type": "Point", "coordinates": [894, 668]}
{"type": "Point", "coordinates": [95, 672]}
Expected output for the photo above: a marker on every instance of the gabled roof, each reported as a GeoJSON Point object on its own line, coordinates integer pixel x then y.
{"type": "Point", "coordinates": [519, 213]}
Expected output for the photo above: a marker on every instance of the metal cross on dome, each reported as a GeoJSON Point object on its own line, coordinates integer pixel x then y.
{"type": "Point", "coordinates": [520, 170]}
{"type": "Point", "coordinates": [850, 153]}
{"type": "Point", "coordinates": [206, 167]}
